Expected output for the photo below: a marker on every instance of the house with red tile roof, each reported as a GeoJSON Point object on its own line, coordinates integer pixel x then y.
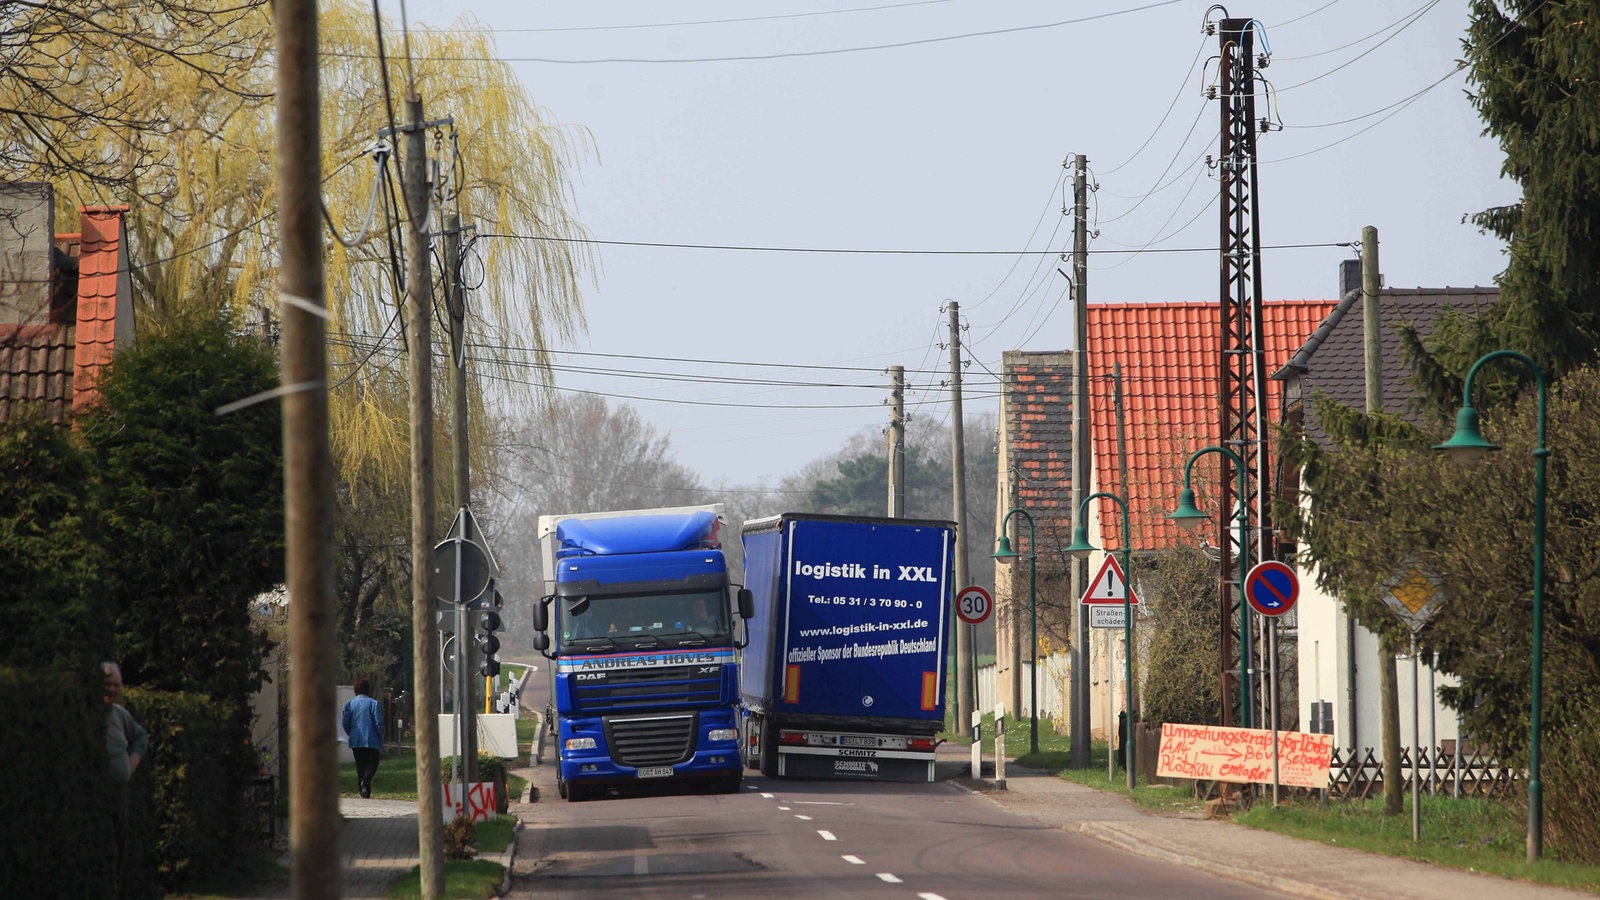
{"type": "Point", "coordinates": [1168, 354]}
{"type": "Point", "coordinates": [66, 302]}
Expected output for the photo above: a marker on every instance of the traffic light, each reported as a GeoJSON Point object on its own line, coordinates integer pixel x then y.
{"type": "Point", "coordinates": [488, 644]}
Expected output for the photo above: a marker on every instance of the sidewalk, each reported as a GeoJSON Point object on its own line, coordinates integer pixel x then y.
{"type": "Point", "coordinates": [1274, 861]}
{"type": "Point", "coordinates": [378, 845]}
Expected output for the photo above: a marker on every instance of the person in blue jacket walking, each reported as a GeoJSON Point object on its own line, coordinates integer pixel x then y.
{"type": "Point", "coordinates": [363, 724]}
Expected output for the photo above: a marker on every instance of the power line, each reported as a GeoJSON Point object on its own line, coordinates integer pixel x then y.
{"type": "Point", "coordinates": [896, 45]}
{"type": "Point", "coordinates": [870, 251]}
{"type": "Point", "coordinates": [646, 25]}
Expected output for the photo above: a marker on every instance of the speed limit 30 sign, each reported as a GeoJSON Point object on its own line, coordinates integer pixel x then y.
{"type": "Point", "coordinates": [974, 604]}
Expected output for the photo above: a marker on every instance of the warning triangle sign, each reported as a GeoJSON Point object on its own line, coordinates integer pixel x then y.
{"type": "Point", "coordinates": [1109, 585]}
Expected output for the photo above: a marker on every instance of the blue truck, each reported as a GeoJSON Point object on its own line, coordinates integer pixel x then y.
{"type": "Point", "coordinates": [645, 681]}
{"type": "Point", "coordinates": [844, 670]}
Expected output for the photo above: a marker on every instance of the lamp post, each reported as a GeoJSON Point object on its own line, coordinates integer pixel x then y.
{"type": "Point", "coordinates": [1004, 552]}
{"type": "Point", "coordinates": [1187, 516]}
{"type": "Point", "coordinates": [1468, 444]}
{"type": "Point", "coordinates": [1081, 548]}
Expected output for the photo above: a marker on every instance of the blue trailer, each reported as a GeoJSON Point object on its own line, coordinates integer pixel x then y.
{"type": "Point", "coordinates": [844, 671]}
{"type": "Point", "coordinates": [645, 680]}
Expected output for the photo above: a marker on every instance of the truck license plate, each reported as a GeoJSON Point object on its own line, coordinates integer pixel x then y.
{"type": "Point", "coordinates": [852, 740]}
{"type": "Point", "coordinates": [655, 772]}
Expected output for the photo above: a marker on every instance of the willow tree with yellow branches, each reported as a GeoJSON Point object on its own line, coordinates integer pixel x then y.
{"type": "Point", "coordinates": [168, 107]}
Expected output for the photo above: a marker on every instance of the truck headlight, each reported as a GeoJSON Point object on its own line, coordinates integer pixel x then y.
{"type": "Point", "coordinates": [722, 734]}
{"type": "Point", "coordinates": [580, 743]}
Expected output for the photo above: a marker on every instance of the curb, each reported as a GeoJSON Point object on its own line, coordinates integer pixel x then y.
{"type": "Point", "coordinates": [1108, 833]}
{"type": "Point", "coordinates": [508, 858]}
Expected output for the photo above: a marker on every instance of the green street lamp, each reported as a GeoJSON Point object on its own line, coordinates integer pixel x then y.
{"type": "Point", "coordinates": [1004, 553]}
{"type": "Point", "coordinates": [1468, 444]}
{"type": "Point", "coordinates": [1081, 548]}
{"type": "Point", "coordinates": [1190, 518]}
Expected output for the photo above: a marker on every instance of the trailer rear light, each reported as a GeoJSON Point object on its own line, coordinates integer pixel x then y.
{"type": "Point", "coordinates": [792, 737]}
{"type": "Point", "coordinates": [924, 744]}
{"type": "Point", "coordinates": [722, 734]}
{"type": "Point", "coordinates": [580, 743]}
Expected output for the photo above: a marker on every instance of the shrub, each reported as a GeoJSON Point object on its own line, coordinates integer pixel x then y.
{"type": "Point", "coordinates": [201, 770]}
{"type": "Point", "coordinates": [458, 839]}
{"type": "Point", "coordinates": [57, 783]}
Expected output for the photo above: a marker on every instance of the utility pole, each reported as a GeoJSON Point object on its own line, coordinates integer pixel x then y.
{"type": "Point", "coordinates": [965, 695]}
{"type": "Point", "coordinates": [307, 465]}
{"type": "Point", "coordinates": [456, 305]}
{"type": "Point", "coordinates": [1079, 726]}
{"type": "Point", "coordinates": [425, 674]}
{"type": "Point", "coordinates": [1242, 393]}
{"type": "Point", "coordinates": [897, 444]}
{"type": "Point", "coordinates": [1388, 677]}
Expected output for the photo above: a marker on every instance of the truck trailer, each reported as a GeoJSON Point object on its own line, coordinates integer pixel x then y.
{"type": "Point", "coordinates": [844, 670]}
{"type": "Point", "coordinates": [645, 682]}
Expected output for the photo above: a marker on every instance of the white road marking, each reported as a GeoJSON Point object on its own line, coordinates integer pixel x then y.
{"type": "Point", "coordinates": [784, 808]}
{"type": "Point", "coordinates": [827, 835]}
{"type": "Point", "coordinates": [766, 795]}
{"type": "Point", "coordinates": [854, 860]}
{"type": "Point", "coordinates": [821, 803]}
{"type": "Point", "coordinates": [802, 818]}
{"type": "Point", "coordinates": [929, 896]}
{"type": "Point", "coordinates": [889, 877]}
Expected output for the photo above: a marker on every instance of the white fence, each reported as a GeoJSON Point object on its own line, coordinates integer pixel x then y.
{"type": "Point", "coordinates": [1052, 687]}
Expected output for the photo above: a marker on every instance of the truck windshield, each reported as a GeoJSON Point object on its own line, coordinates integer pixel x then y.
{"type": "Point", "coordinates": [645, 621]}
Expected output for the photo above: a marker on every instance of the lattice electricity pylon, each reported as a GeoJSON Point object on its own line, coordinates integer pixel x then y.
{"type": "Point", "coordinates": [1242, 392]}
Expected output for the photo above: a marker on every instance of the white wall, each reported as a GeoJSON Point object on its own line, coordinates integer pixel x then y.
{"type": "Point", "coordinates": [1325, 641]}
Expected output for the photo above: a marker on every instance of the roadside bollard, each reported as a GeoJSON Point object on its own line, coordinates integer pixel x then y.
{"type": "Point", "coordinates": [977, 744]}
{"type": "Point", "coordinates": [1000, 746]}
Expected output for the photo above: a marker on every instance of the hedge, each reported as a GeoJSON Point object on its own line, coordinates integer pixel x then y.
{"type": "Point", "coordinates": [201, 768]}
{"type": "Point", "coordinates": [55, 812]}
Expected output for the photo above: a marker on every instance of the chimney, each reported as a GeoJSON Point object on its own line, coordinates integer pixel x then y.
{"type": "Point", "coordinates": [27, 237]}
{"type": "Point", "coordinates": [1349, 276]}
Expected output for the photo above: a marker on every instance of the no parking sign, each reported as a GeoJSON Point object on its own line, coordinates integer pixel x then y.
{"type": "Point", "coordinates": [1272, 588]}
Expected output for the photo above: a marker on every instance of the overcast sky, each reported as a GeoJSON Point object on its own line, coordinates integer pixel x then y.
{"type": "Point", "coordinates": [942, 125]}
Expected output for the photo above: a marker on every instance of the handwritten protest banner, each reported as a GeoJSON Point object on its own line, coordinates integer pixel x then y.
{"type": "Point", "coordinates": [1243, 755]}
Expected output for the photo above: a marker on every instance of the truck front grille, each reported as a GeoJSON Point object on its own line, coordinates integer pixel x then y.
{"type": "Point", "coordinates": [651, 741]}
{"type": "Point", "coordinates": [643, 690]}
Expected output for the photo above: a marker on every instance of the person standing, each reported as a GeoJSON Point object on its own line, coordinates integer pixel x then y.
{"type": "Point", "coordinates": [126, 745]}
{"type": "Point", "coordinates": [363, 725]}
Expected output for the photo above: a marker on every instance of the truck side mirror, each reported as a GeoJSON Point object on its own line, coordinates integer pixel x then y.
{"type": "Point", "coordinates": [747, 603]}
{"type": "Point", "coordinates": [541, 614]}
{"type": "Point", "coordinates": [541, 643]}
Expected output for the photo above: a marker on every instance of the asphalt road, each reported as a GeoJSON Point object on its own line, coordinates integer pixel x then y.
{"type": "Point", "coordinates": [787, 838]}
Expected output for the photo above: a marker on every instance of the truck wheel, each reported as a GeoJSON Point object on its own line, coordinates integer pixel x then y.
{"type": "Point", "coordinates": [561, 788]}
{"type": "Point", "coordinates": [769, 750]}
{"type": "Point", "coordinates": [728, 784]}
{"type": "Point", "coordinates": [576, 793]}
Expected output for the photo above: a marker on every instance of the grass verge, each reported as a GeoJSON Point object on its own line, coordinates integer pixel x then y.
{"type": "Point", "coordinates": [466, 879]}
{"type": "Point", "coordinates": [1473, 834]}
